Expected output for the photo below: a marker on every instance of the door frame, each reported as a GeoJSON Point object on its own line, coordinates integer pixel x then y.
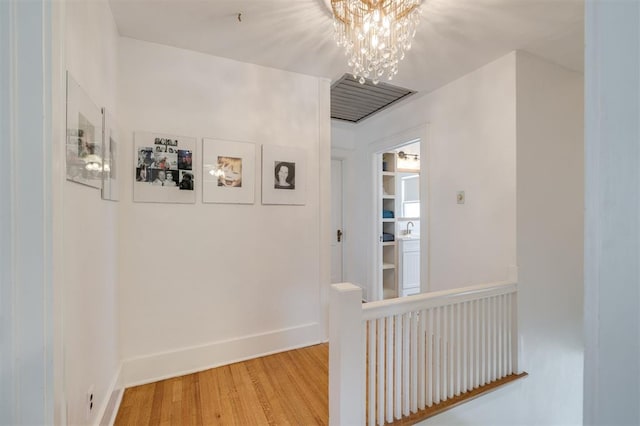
{"type": "Point", "coordinates": [375, 149]}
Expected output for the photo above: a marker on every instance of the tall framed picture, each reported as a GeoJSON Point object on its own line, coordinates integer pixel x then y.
{"type": "Point", "coordinates": [284, 172]}
{"type": "Point", "coordinates": [84, 137]}
{"type": "Point", "coordinates": [165, 169]}
{"type": "Point", "coordinates": [110, 146]}
{"type": "Point", "coordinates": [228, 172]}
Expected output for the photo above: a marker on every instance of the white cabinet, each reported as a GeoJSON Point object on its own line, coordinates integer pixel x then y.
{"type": "Point", "coordinates": [409, 267]}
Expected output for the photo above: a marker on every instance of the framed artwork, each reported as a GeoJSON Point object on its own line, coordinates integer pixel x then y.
{"type": "Point", "coordinates": [228, 172]}
{"type": "Point", "coordinates": [110, 146]}
{"type": "Point", "coordinates": [84, 137]}
{"type": "Point", "coordinates": [284, 174]}
{"type": "Point", "coordinates": [164, 168]}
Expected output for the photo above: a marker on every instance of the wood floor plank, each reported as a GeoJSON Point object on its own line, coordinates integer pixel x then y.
{"type": "Point", "coordinates": [288, 388]}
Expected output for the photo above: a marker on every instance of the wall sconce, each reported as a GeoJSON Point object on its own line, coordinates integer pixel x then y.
{"type": "Point", "coordinates": [403, 155]}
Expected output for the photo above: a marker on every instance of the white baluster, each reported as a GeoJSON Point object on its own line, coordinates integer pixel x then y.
{"type": "Point", "coordinates": [483, 342]}
{"type": "Point", "coordinates": [397, 388]}
{"type": "Point", "coordinates": [372, 372]}
{"type": "Point", "coordinates": [451, 356]}
{"type": "Point", "coordinates": [389, 379]}
{"type": "Point", "coordinates": [405, 364]}
{"type": "Point", "coordinates": [500, 344]}
{"type": "Point", "coordinates": [437, 349]}
{"type": "Point", "coordinates": [414, 362]}
{"type": "Point", "coordinates": [430, 370]}
{"type": "Point", "coordinates": [514, 334]}
{"type": "Point", "coordinates": [492, 339]}
{"type": "Point", "coordinates": [422, 359]}
{"type": "Point", "coordinates": [473, 352]}
{"type": "Point", "coordinates": [464, 384]}
{"type": "Point", "coordinates": [508, 322]}
{"type": "Point", "coordinates": [458, 347]}
{"type": "Point", "coordinates": [380, 373]}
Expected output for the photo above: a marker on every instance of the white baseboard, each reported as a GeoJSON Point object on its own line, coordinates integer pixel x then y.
{"type": "Point", "coordinates": [111, 403]}
{"type": "Point", "coordinates": [146, 369]}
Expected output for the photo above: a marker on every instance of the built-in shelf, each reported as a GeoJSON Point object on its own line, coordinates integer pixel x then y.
{"type": "Point", "coordinates": [388, 197]}
{"type": "Point", "coordinates": [388, 219]}
{"type": "Point", "coordinates": [389, 243]}
{"type": "Point", "coordinates": [400, 219]}
{"type": "Point", "coordinates": [388, 174]}
{"type": "Point", "coordinates": [388, 266]}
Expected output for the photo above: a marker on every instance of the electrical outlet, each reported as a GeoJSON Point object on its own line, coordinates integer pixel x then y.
{"type": "Point", "coordinates": [90, 402]}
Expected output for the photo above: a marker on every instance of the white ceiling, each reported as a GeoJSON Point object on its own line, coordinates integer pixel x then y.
{"type": "Point", "coordinates": [454, 37]}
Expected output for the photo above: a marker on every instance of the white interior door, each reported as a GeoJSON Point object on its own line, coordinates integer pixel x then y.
{"type": "Point", "coordinates": [336, 221]}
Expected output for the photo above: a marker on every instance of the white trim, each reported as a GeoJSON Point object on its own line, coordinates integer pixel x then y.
{"type": "Point", "coordinates": [324, 201]}
{"type": "Point", "coordinates": [107, 414]}
{"type": "Point", "coordinates": [58, 154]}
{"type": "Point", "coordinates": [164, 365]}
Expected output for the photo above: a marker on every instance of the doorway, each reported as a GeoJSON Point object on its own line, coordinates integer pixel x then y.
{"type": "Point", "coordinates": [397, 258]}
{"type": "Point", "coordinates": [337, 271]}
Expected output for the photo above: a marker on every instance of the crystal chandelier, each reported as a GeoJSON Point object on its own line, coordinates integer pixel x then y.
{"type": "Point", "coordinates": [375, 34]}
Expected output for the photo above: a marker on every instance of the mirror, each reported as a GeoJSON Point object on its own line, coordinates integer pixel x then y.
{"type": "Point", "coordinates": [409, 195]}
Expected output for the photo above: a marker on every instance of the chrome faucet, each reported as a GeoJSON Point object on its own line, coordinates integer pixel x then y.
{"type": "Point", "coordinates": [409, 230]}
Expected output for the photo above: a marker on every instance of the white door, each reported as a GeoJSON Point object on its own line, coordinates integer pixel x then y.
{"type": "Point", "coordinates": [336, 221]}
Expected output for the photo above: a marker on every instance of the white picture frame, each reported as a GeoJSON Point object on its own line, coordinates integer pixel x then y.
{"type": "Point", "coordinates": [284, 175]}
{"type": "Point", "coordinates": [228, 171]}
{"type": "Point", "coordinates": [84, 137]}
{"type": "Point", "coordinates": [110, 164]}
{"type": "Point", "coordinates": [164, 168]}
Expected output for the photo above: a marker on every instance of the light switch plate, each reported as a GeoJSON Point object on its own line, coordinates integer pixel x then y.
{"type": "Point", "coordinates": [460, 197]}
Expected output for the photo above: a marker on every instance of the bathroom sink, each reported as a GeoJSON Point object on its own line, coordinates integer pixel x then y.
{"type": "Point", "coordinates": [410, 237]}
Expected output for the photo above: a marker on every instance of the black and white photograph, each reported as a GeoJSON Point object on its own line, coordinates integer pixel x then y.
{"type": "Point", "coordinates": [283, 175]}
{"type": "Point", "coordinates": [186, 180]}
{"type": "Point", "coordinates": [142, 173]}
{"type": "Point", "coordinates": [161, 173]}
{"type": "Point", "coordinates": [145, 156]}
{"type": "Point", "coordinates": [228, 171]}
{"type": "Point", "coordinates": [164, 178]}
{"type": "Point", "coordinates": [167, 145]}
{"type": "Point", "coordinates": [84, 162]}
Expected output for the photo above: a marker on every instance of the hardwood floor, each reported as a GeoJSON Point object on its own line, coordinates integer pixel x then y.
{"type": "Point", "coordinates": [289, 388]}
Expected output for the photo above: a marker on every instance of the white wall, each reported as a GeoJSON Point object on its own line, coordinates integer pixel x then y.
{"type": "Point", "coordinates": [549, 221]}
{"type": "Point", "coordinates": [205, 284]}
{"type": "Point", "coordinates": [90, 227]}
{"type": "Point", "coordinates": [612, 216]}
{"type": "Point", "coordinates": [468, 144]}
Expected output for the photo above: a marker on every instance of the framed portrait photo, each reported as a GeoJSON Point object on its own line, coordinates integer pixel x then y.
{"type": "Point", "coordinates": [284, 174]}
{"type": "Point", "coordinates": [84, 137]}
{"type": "Point", "coordinates": [110, 147]}
{"type": "Point", "coordinates": [164, 168]}
{"type": "Point", "coordinates": [228, 172]}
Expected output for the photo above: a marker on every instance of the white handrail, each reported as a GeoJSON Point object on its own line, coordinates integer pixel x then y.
{"type": "Point", "coordinates": [402, 305]}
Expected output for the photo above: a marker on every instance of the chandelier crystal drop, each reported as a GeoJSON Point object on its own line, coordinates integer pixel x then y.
{"type": "Point", "coordinates": [375, 34]}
